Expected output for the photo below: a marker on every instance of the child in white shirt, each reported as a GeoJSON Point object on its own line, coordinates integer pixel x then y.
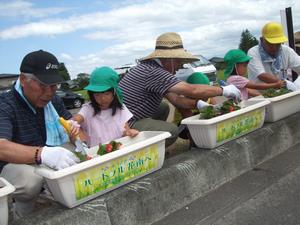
{"type": "Point", "coordinates": [105, 117]}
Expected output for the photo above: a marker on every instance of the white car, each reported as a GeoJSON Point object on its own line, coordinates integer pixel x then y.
{"type": "Point", "coordinates": [203, 66]}
{"type": "Point", "coordinates": [122, 70]}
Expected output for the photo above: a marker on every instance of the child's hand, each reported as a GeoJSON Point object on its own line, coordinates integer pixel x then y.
{"type": "Point", "coordinates": [74, 128]}
{"type": "Point", "coordinates": [131, 132]}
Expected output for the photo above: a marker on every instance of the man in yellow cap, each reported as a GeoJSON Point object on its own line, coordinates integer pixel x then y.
{"type": "Point", "coordinates": [271, 61]}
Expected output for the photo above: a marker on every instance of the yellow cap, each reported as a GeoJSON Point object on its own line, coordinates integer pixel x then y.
{"type": "Point", "coordinates": [273, 33]}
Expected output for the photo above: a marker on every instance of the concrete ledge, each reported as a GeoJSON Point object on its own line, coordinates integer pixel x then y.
{"type": "Point", "coordinates": [182, 179]}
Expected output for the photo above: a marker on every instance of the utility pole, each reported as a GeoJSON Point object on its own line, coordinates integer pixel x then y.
{"type": "Point", "coordinates": [287, 23]}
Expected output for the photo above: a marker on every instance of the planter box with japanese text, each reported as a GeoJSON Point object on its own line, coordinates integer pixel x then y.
{"type": "Point", "coordinates": [210, 133]}
{"type": "Point", "coordinates": [281, 106]}
{"type": "Point", "coordinates": [138, 157]}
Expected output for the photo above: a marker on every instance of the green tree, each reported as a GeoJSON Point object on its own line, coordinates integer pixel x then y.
{"type": "Point", "coordinates": [62, 70]}
{"type": "Point", "coordinates": [247, 41]}
{"type": "Point", "coordinates": [82, 80]}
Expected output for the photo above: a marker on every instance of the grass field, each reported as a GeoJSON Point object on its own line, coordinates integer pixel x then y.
{"type": "Point", "coordinates": [220, 75]}
{"type": "Point", "coordinates": [83, 93]}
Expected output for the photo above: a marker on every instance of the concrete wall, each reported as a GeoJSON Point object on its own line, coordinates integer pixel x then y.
{"type": "Point", "coordinates": [182, 179]}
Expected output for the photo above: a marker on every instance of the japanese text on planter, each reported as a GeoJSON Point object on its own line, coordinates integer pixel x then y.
{"type": "Point", "coordinates": [115, 172]}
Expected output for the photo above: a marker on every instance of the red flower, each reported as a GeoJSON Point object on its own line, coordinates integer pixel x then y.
{"type": "Point", "coordinates": [108, 148]}
{"type": "Point", "coordinates": [87, 157]}
{"type": "Point", "coordinates": [231, 108]}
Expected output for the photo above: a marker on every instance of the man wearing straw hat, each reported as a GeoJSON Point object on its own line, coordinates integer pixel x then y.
{"type": "Point", "coordinates": [271, 61]}
{"type": "Point", "coordinates": [145, 85]}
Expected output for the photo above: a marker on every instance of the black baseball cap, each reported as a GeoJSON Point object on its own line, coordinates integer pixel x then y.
{"type": "Point", "coordinates": [43, 65]}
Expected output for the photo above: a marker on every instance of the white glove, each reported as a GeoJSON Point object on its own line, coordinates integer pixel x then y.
{"type": "Point", "coordinates": [290, 85]}
{"type": "Point", "coordinates": [201, 104]}
{"type": "Point", "coordinates": [297, 83]}
{"type": "Point", "coordinates": [58, 157]}
{"type": "Point", "coordinates": [231, 91]}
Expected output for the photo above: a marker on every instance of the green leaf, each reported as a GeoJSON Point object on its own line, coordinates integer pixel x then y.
{"type": "Point", "coordinates": [81, 157]}
{"type": "Point", "coordinates": [271, 92]}
{"type": "Point", "coordinates": [101, 150]}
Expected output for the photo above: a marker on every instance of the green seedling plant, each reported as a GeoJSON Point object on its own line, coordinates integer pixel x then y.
{"type": "Point", "coordinates": [211, 111]}
{"type": "Point", "coordinates": [102, 150]}
{"type": "Point", "coordinates": [110, 147]}
{"type": "Point", "coordinates": [271, 92]}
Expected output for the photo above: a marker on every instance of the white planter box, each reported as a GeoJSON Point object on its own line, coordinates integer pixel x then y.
{"type": "Point", "coordinates": [5, 189]}
{"type": "Point", "coordinates": [209, 133]}
{"type": "Point", "coordinates": [281, 106]}
{"type": "Point", "coordinates": [138, 157]}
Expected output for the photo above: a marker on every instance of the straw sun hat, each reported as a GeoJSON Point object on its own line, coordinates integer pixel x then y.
{"type": "Point", "coordinates": [170, 46]}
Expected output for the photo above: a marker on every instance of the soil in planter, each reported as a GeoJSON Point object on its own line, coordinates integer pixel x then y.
{"type": "Point", "coordinates": [103, 149]}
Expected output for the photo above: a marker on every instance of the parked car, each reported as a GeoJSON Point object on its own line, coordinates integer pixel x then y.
{"type": "Point", "coordinates": [69, 85]}
{"type": "Point", "coordinates": [71, 99]}
{"type": "Point", "coordinates": [203, 65]}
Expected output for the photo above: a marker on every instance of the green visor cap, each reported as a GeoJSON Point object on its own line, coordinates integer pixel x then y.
{"type": "Point", "coordinates": [198, 78]}
{"type": "Point", "coordinates": [233, 57]}
{"type": "Point", "coordinates": [104, 78]}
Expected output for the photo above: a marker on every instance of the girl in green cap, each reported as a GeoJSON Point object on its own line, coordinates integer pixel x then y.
{"type": "Point", "coordinates": [105, 117]}
{"type": "Point", "coordinates": [200, 78]}
{"type": "Point", "coordinates": [236, 68]}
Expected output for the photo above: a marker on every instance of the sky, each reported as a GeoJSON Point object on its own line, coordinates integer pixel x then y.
{"type": "Point", "coordinates": [85, 34]}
